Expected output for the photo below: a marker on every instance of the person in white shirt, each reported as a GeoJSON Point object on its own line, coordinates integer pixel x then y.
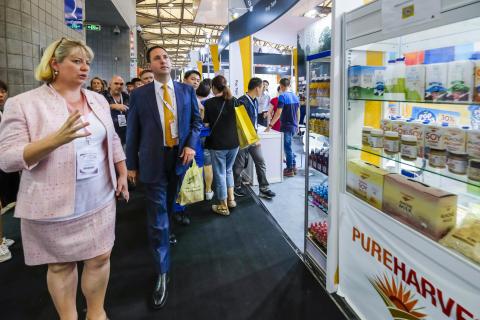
{"type": "Point", "coordinates": [263, 105]}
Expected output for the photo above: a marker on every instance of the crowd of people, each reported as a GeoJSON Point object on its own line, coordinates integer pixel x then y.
{"type": "Point", "coordinates": [80, 150]}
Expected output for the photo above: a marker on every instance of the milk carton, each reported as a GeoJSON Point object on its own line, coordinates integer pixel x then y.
{"type": "Point", "coordinates": [460, 80]}
{"type": "Point", "coordinates": [455, 140]}
{"type": "Point", "coordinates": [415, 83]}
{"type": "Point", "coordinates": [365, 82]}
{"type": "Point", "coordinates": [436, 81]}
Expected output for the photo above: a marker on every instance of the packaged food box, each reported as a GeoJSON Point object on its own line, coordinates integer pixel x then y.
{"type": "Point", "coordinates": [455, 140]}
{"type": "Point", "coordinates": [365, 180]}
{"type": "Point", "coordinates": [365, 82]}
{"type": "Point", "coordinates": [428, 209]}
{"type": "Point", "coordinates": [473, 143]}
{"type": "Point", "coordinates": [436, 81]}
{"type": "Point", "coordinates": [415, 83]}
{"type": "Point", "coordinates": [465, 239]}
{"type": "Point", "coordinates": [418, 130]}
{"type": "Point", "coordinates": [460, 80]}
{"type": "Point", "coordinates": [435, 136]}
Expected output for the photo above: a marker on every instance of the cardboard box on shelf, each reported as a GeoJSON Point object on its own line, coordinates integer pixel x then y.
{"type": "Point", "coordinates": [428, 209]}
{"type": "Point", "coordinates": [365, 82]}
{"type": "Point", "coordinates": [365, 181]}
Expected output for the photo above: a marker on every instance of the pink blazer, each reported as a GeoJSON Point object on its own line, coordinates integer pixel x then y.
{"type": "Point", "coordinates": [47, 188]}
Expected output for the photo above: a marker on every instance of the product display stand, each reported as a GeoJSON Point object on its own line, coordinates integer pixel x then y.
{"type": "Point", "coordinates": [409, 205]}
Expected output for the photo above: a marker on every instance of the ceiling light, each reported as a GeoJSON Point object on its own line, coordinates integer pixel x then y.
{"type": "Point", "coordinates": [170, 4]}
{"type": "Point", "coordinates": [235, 15]}
{"type": "Point", "coordinates": [208, 35]}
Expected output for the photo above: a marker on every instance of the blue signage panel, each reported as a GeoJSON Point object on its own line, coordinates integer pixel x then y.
{"type": "Point", "coordinates": [73, 12]}
{"type": "Point", "coordinates": [262, 14]}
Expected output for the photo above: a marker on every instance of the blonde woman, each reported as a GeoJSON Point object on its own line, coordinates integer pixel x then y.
{"type": "Point", "coordinates": [62, 139]}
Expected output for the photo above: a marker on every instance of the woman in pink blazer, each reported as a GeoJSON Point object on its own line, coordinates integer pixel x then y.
{"type": "Point", "coordinates": [62, 139]}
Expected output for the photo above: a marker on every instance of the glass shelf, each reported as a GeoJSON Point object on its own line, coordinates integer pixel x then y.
{"type": "Point", "coordinates": [317, 246]}
{"type": "Point", "coordinates": [467, 103]}
{"type": "Point", "coordinates": [320, 212]}
{"type": "Point", "coordinates": [419, 166]}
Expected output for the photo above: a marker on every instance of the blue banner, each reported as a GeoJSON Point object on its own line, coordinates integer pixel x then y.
{"type": "Point", "coordinates": [261, 15]}
{"type": "Point", "coordinates": [73, 12]}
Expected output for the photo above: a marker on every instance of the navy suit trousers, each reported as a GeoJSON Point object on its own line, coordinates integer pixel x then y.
{"type": "Point", "coordinates": [160, 200]}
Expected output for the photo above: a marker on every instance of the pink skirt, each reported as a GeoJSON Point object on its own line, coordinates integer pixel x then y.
{"type": "Point", "coordinates": [67, 241]}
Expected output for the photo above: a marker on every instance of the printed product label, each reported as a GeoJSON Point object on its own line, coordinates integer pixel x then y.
{"type": "Point", "coordinates": [434, 137]}
{"type": "Point", "coordinates": [455, 140]}
{"type": "Point", "coordinates": [409, 151]}
{"type": "Point", "coordinates": [392, 146]}
{"type": "Point", "coordinates": [365, 139]}
{"type": "Point", "coordinates": [438, 160]}
{"type": "Point", "coordinates": [457, 166]}
{"type": "Point", "coordinates": [376, 142]}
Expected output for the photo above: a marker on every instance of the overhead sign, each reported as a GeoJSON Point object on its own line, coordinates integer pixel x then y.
{"type": "Point", "coordinates": [93, 27]}
{"type": "Point", "coordinates": [261, 14]}
{"type": "Point", "coordinates": [73, 13]}
{"type": "Point", "coordinates": [399, 13]}
{"type": "Point", "coordinates": [400, 274]}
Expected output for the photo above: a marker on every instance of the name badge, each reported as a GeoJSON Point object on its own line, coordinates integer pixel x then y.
{"type": "Point", "coordinates": [174, 129]}
{"type": "Point", "coordinates": [122, 120]}
{"type": "Point", "coordinates": [87, 164]}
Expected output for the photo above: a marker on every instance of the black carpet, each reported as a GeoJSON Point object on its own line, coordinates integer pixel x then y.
{"type": "Point", "coordinates": [236, 267]}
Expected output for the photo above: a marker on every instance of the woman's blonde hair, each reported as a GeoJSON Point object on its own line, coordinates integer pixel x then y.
{"type": "Point", "coordinates": [59, 50]}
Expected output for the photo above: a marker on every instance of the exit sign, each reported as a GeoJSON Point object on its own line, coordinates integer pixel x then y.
{"type": "Point", "coordinates": [93, 27]}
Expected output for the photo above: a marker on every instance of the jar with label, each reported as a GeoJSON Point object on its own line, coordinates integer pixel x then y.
{"type": "Point", "coordinates": [457, 163]}
{"type": "Point", "coordinates": [391, 142]}
{"type": "Point", "coordinates": [409, 148]}
{"type": "Point", "coordinates": [376, 138]}
{"type": "Point", "coordinates": [474, 169]}
{"type": "Point", "coordinates": [455, 139]}
{"type": "Point", "coordinates": [437, 158]}
{"type": "Point", "coordinates": [366, 135]}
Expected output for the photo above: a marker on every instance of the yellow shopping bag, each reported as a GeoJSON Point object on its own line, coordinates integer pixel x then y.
{"type": "Point", "coordinates": [246, 132]}
{"type": "Point", "coordinates": [191, 190]}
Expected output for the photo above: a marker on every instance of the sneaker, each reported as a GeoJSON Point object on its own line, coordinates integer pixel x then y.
{"type": "Point", "coordinates": [9, 206]}
{"type": "Point", "coordinates": [8, 242]}
{"type": "Point", "coordinates": [239, 192]}
{"type": "Point", "coordinates": [287, 172]}
{"type": "Point", "coordinates": [267, 194]}
{"type": "Point", "coordinates": [5, 254]}
{"type": "Point", "coordinates": [209, 195]}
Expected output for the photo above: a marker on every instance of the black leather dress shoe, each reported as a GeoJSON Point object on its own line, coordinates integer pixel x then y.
{"type": "Point", "coordinates": [173, 239]}
{"type": "Point", "coordinates": [160, 293]}
{"type": "Point", "coordinates": [185, 220]}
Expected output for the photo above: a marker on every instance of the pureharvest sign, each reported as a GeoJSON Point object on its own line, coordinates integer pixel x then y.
{"type": "Point", "coordinates": [401, 274]}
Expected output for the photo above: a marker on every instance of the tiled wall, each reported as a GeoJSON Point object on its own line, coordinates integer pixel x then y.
{"type": "Point", "coordinates": [26, 29]}
{"type": "Point", "coordinates": [112, 53]}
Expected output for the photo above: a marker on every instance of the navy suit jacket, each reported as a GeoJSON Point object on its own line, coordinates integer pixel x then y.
{"type": "Point", "coordinates": [145, 151]}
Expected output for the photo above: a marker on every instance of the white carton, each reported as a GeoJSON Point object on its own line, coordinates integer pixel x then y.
{"type": "Point", "coordinates": [455, 140]}
{"type": "Point", "coordinates": [460, 80]}
{"type": "Point", "coordinates": [436, 81]}
{"type": "Point", "coordinates": [418, 130]}
{"type": "Point", "coordinates": [435, 136]}
{"type": "Point", "coordinates": [415, 83]}
{"type": "Point", "coordinates": [473, 143]}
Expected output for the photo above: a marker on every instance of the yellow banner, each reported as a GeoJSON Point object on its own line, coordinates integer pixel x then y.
{"type": "Point", "coordinates": [295, 66]}
{"type": "Point", "coordinates": [200, 68]}
{"type": "Point", "coordinates": [215, 60]}
{"type": "Point", "coordinates": [246, 54]}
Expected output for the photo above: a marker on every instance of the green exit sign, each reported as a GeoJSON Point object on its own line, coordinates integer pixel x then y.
{"type": "Point", "coordinates": [93, 27]}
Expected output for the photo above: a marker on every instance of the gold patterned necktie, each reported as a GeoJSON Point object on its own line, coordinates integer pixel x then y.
{"type": "Point", "coordinates": [169, 118]}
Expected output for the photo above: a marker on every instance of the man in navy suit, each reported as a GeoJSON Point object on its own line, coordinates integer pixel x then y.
{"type": "Point", "coordinates": [163, 129]}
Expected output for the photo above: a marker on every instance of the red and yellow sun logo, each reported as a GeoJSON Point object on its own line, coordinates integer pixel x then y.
{"type": "Point", "coordinates": [398, 299]}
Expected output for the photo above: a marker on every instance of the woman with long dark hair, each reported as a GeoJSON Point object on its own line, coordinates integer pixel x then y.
{"type": "Point", "coordinates": [222, 143]}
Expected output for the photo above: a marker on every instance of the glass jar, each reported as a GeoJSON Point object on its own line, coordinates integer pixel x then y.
{"type": "Point", "coordinates": [376, 138]}
{"type": "Point", "coordinates": [391, 142]}
{"type": "Point", "coordinates": [409, 148]}
{"type": "Point", "coordinates": [437, 158]}
{"type": "Point", "coordinates": [366, 135]}
{"type": "Point", "coordinates": [474, 169]}
{"type": "Point", "coordinates": [457, 162]}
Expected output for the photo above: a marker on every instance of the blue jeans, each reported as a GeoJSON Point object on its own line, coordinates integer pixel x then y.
{"type": "Point", "coordinates": [287, 146]}
{"type": "Point", "coordinates": [222, 162]}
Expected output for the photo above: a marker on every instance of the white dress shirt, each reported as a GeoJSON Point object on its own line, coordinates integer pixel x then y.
{"type": "Point", "coordinates": [159, 95]}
